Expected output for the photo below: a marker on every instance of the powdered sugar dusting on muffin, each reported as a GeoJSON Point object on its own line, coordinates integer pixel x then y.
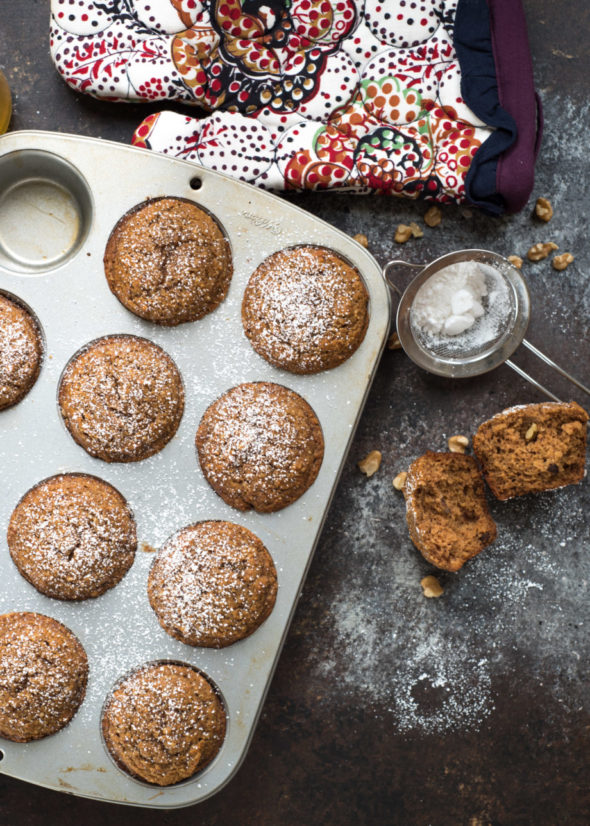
{"type": "Point", "coordinates": [163, 723]}
{"type": "Point", "coordinates": [122, 398]}
{"type": "Point", "coordinates": [43, 673]}
{"type": "Point", "coordinates": [20, 352]}
{"type": "Point", "coordinates": [212, 584]}
{"type": "Point", "coordinates": [305, 310]}
{"type": "Point", "coordinates": [260, 445]}
{"type": "Point", "coordinates": [72, 536]}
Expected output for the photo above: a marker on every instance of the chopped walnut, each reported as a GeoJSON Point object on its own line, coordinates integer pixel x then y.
{"type": "Point", "coordinates": [562, 262]}
{"type": "Point", "coordinates": [431, 587]}
{"type": "Point", "coordinates": [402, 234]}
{"type": "Point", "coordinates": [370, 464]}
{"type": "Point", "coordinates": [361, 239]}
{"type": "Point", "coordinates": [148, 549]}
{"type": "Point", "coordinates": [416, 231]}
{"type": "Point", "coordinates": [531, 432]}
{"type": "Point", "coordinates": [516, 261]}
{"type": "Point", "coordinates": [399, 482]}
{"type": "Point", "coordinates": [540, 251]}
{"type": "Point", "coordinates": [393, 342]}
{"type": "Point", "coordinates": [433, 217]}
{"type": "Point", "coordinates": [572, 427]}
{"type": "Point", "coordinates": [543, 210]}
{"type": "Point", "coordinates": [458, 444]}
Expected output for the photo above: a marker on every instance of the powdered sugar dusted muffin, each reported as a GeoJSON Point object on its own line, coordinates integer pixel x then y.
{"type": "Point", "coordinates": [21, 351]}
{"type": "Point", "coordinates": [212, 584]}
{"type": "Point", "coordinates": [72, 536]}
{"type": "Point", "coordinates": [260, 446]}
{"type": "Point", "coordinates": [121, 398]}
{"type": "Point", "coordinates": [305, 309]}
{"type": "Point", "coordinates": [43, 676]}
{"type": "Point", "coordinates": [168, 261]}
{"type": "Point", "coordinates": [164, 723]}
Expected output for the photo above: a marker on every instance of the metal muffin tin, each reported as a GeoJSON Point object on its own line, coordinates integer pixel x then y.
{"type": "Point", "coordinates": [60, 197]}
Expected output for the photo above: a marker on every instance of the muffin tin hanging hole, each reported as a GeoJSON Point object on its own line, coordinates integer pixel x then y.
{"type": "Point", "coordinates": [45, 211]}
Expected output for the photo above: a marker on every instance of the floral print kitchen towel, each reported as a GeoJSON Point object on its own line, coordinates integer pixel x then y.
{"type": "Point", "coordinates": [391, 96]}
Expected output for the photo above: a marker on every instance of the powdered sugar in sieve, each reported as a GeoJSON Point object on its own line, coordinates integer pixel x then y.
{"type": "Point", "coordinates": [463, 309]}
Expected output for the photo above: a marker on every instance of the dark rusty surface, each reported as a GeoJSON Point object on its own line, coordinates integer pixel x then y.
{"type": "Point", "coordinates": [388, 708]}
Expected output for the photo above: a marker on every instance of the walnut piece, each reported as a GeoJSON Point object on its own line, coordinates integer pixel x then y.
{"type": "Point", "coordinates": [531, 432]}
{"type": "Point", "coordinates": [416, 231]}
{"type": "Point", "coordinates": [431, 587]}
{"type": "Point", "coordinates": [402, 234]}
{"type": "Point", "coordinates": [399, 482]}
{"type": "Point", "coordinates": [393, 342]}
{"type": "Point", "coordinates": [433, 217]}
{"type": "Point", "coordinates": [370, 464]}
{"type": "Point", "coordinates": [361, 239]}
{"type": "Point", "coordinates": [540, 251]}
{"type": "Point", "coordinates": [516, 261]}
{"type": "Point", "coordinates": [543, 210]}
{"type": "Point", "coordinates": [562, 262]}
{"type": "Point", "coordinates": [458, 444]}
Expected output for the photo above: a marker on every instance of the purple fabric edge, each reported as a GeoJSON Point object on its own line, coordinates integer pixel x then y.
{"type": "Point", "coordinates": [515, 175]}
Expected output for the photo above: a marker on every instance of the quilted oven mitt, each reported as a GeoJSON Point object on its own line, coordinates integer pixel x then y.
{"type": "Point", "coordinates": [432, 98]}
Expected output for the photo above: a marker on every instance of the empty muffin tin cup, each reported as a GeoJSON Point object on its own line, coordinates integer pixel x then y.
{"type": "Point", "coordinates": [507, 300]}
{"type": "Point", "coordinates": [45, 211]}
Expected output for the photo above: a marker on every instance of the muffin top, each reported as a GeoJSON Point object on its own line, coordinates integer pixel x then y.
{"type": "Point", "coordinates": [305, 310]}
{"type": "Point", "coordinates": [72, 536]}
{"type": "Point", "coordinates": [212, 584]}
{"type": "Point", "coordinates": [260, 446]}
{"type": "Point", "coordinates": [21, 351]}
{"type": "Point", "coordinates": [164, 723]}
{"type": "Point", "coordinates": [168, 261]}
{"type": "Point", "coordinates": [43, 676]}
{"type": "Point", "coordinates": [121, 398]}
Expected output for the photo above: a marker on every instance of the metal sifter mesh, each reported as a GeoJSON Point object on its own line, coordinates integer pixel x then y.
{"type": "Point", "coordinates": [493, 338]}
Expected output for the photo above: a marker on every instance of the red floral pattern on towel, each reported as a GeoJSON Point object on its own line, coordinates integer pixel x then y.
{"type": "Point", "coordinates": [303, 94]}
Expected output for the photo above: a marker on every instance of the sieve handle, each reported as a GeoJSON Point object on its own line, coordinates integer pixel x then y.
{"type": "Point", "coordinates": [401, 269]}
{"type": "Point", "coordinates": [555, 366]}
{"type": "Point", "coordinates": [531, 380]}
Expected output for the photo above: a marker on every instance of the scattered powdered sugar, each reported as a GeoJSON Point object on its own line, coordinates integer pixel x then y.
{"type": "Point", "coordinates": [462, 308]}
{"type": "Point", "coordinates": [434, 666]}
{"type": "Point", "coordinates": [432, 684]}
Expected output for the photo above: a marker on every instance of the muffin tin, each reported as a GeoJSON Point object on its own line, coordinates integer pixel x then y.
{"type": "Point", "coordinates": [60, 197]}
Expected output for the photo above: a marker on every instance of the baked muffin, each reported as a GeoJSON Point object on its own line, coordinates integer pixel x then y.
{"type": "Point", "coordinates": [163, 723]}
{"type": "Point", "coordinates": [43, 676]}
{"type": "Point", "coordinates": [121, 398]}
{"type": "Point", "coordinates": [168, 261]}
{"type": "Point", "coordinates": [260, 446]}
{"type": "Point", "coordinates": [21, 352]}
{"type": "Point", "coordinates": [305, 310]}
{"type": "Point", "coordinates": [212, 584]}
{"type": "Point", "coordinates": [532, 448]}
{"type": "Point", "coordinates": [446, 509]}
{"type": "Point", "coordinates": [72, 536]}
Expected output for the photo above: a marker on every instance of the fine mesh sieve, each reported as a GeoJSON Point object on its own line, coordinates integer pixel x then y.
{"type": "Point", "coordinates": [493, 338]}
